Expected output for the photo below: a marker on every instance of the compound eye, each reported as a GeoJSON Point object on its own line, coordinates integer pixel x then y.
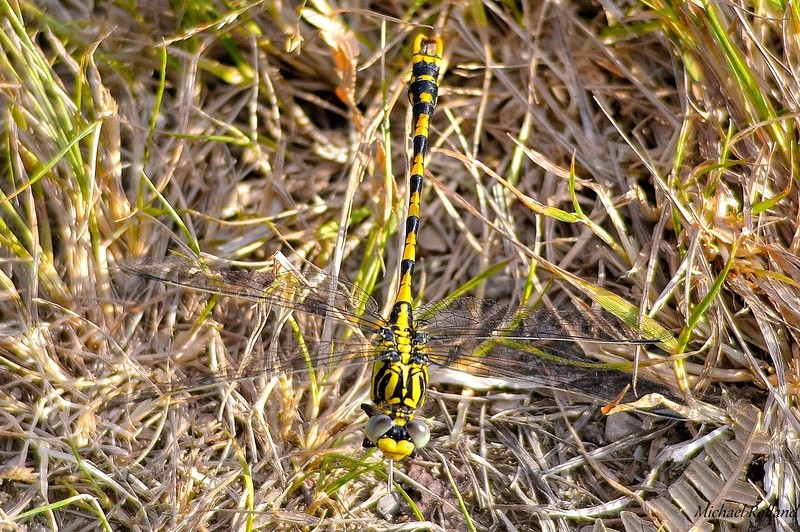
{"type": "Point", "coordinates": [377, 426]}
{"type": "Point", "coordinates": [420, 433]}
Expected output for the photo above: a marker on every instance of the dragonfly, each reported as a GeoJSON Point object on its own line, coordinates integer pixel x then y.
{"type": "Point", "coordinates": [477, 336]}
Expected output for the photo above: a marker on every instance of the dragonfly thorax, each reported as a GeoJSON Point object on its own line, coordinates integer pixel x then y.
{"type": "Point", "coordinates": [399, 382]}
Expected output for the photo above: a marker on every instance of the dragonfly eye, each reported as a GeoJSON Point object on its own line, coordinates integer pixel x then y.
{"type": "Point", "coordinates": [377, 426]}
{"type": "Point", "coordinates": [419, 432]}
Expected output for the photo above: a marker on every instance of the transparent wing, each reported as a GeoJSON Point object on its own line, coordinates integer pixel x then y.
{"type": "Point", "coordinates": [543, 346]}
{"type": "Point", "coordinates": [320, 295]}
{"type": "Point", "coordinates": [483, 318]}
{"type": "Point", "coordinates": [288, 358]}
{"type": "Point", "coordinates": [478, 336]}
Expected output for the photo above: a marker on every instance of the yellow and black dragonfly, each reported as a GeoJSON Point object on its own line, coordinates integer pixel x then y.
{"type": "Point", "coordinates": [477, 336]}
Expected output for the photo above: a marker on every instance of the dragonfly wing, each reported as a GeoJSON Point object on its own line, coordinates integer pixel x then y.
{"type": "Point", "coordinates": [284, 357]}
{"type": "Point", "coordinates": [464, 314]}
{"type": "Point", "coordinates": [319, 294]}
{"type": "Point", "coordinates": [483, 318]}
{"type": "Point", "coordinates": [540, 346]}
{"type": "Point", "coordinates": [585, 376]}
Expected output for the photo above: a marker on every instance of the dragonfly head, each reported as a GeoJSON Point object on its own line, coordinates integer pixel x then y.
{"type": "Point", "coordinates": [396, 438]}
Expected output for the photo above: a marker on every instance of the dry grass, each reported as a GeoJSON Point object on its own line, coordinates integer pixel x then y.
{"type": "Point", "coordinates": [241, 132]}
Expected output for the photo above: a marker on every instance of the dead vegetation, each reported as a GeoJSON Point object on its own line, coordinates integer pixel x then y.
{"type": "Point", "coordinates": [645, 150]}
